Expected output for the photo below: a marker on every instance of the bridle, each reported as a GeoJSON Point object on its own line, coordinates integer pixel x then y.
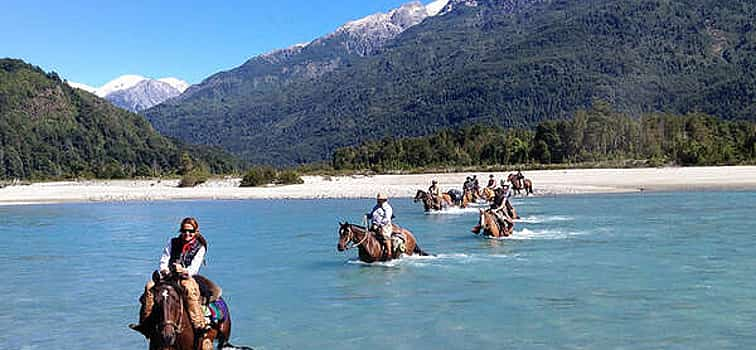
{"type": "Point", "coordinates": [168, 322]}
{"type": "Point", "coordinates": [347, 246]}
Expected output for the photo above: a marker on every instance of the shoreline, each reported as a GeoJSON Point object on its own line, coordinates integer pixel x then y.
{"type": "Point", "coordinates": [545, 183]}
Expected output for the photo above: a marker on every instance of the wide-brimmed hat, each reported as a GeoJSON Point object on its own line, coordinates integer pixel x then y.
{"type": "Point", "coordinates": [434, 181]}
{"type": "Point", "coordinates": [382, 196]}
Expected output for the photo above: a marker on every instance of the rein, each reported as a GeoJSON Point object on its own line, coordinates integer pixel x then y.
{"type": "Point", "coordinates": [351, 235]}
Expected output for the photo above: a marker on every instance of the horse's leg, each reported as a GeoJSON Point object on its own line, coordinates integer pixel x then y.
{"type": "Point", "coordinates": [224, 331]}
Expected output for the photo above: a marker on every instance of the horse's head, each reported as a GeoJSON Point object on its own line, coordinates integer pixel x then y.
{"type": "Point", "coordinates": [171, 309]}
{"type": "Point", "coordinates": [345, 235]}
{"type": "Point", "coordinates": [488, 222]}
{"type": "Point", "coordinates": [420, 195]}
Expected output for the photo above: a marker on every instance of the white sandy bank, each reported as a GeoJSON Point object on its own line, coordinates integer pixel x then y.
{"type": "Point", "coordinates": [549, 182]}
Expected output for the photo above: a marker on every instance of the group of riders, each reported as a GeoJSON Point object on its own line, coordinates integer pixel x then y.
{"type": "Point", "coordinates": [184, 254]}
{"type": "Point", "coordinates": [473, 192]}
{"type": "Point", "coordinates": [498, 194]}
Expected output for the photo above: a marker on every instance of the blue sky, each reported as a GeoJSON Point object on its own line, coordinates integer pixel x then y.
{"type": "Point", "coordinates": [92, 42]}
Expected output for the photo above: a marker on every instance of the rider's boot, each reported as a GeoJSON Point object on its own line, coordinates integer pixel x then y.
{"type": "Point", "coordinates": [193, 305]}
{"type": "Point", "coordinates": [147, 302]}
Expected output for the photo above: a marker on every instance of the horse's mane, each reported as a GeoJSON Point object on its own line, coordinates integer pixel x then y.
{"type": "Point", "coordinates": [357, 226]}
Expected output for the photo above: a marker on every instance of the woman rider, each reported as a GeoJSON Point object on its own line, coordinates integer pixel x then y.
{"type": "Point", "coordinates": [182, 255]}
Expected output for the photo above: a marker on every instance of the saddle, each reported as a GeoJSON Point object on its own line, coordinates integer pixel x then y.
{"type": "Point", "coordinates": [209, 291]}
{"type": "Point", "coordinates": [398, 241]}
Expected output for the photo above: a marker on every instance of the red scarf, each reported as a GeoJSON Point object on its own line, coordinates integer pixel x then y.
{"type": "Point", "coordinates": [188, 245]}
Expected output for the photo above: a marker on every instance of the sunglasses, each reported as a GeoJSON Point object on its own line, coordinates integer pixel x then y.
{"type": "Point", "coordinates": [187, 231]}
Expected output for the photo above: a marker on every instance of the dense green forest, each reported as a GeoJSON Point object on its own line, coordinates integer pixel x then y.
{"type": "Point", "coordinates": [597, 134]}
{"type": "Point", "coordinates": [505, 63]}
{"type": "Point", "coordinates": [49, 130]}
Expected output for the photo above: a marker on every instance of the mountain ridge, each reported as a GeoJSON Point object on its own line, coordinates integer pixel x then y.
{"type": "Point", "coordinates": [51, 130]}
{"type": "Point", "coordinates": [501, 62]}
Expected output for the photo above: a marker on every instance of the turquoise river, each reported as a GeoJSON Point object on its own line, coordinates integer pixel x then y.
{"type": "Point", "coordinates": [631, 271]}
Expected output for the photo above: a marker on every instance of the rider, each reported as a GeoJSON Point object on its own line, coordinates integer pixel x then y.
{"type": "Point", "coordinates": [467, 186]}
{"type": "Point", "coordinates": [491, 182]}
{"type": "Point", "coordinates": [509, 193]}
{"type": "Point", "coordinates": [182, 255]}
{"type": "Point", "coordinates": [499, 208]}
{"type": "Point", "coordinates": [476, 184]}
{"type": "Point", "coordinates": [435, 192]}
{"type": "Point", "coordinates": [380, 221]}
{"type": "Point", "coordinates": [519, 178]}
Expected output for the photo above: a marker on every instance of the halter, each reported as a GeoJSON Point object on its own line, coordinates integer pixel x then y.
{"type": "Point", "coordinates": [348, 246]}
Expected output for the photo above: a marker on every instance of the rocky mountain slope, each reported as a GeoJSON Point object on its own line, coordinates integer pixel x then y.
{"type": "Point", "coordinates": [500, 62]}
{"type": "Point", "coordinates": [135, 92]}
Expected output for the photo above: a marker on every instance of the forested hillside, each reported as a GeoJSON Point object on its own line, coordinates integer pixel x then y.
{"type": "Point", "coordinates": [510, 63]}
{"type": "Point", "coordinates": [49, 130]}
{"type": "Point", "coordinates": [595, 135]}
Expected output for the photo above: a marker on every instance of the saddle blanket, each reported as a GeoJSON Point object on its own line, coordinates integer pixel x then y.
{"type": "Point", "coordinates": [398, 240]}
{"type": "Point", "coordinates": [215, 312]}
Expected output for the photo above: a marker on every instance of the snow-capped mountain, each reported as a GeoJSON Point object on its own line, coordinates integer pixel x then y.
{"type": "Point", "coordinates": [143, 95]}
{"type": "Point", "coordinates": [121, 83]}
{"type": "Point", "coordinates": [135, 92]}
{"type": "Point", "coordinates": [365, 35]}
{"type": "Point", "coordinates": [310, 60]}
{"type": "Point", "coordinates": [177, 84]}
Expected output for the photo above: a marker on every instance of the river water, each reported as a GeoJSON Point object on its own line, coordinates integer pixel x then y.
{"type": "Point", "coordinates": [632, 271]}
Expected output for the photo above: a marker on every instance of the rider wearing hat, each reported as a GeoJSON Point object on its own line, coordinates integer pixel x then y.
{"type": "Point", "coordinates": [509, 193]}
{"type": "Point", "coordinates": [435, 193]}
{"type": "Point", "coordinates": [380, 221]}
{"type": "Point", "coordinates": [499, 207]}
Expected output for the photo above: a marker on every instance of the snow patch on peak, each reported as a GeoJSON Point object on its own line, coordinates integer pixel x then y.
{"type": "Point", "coordinates": [405, 16]}
{"type": "Point", "coordinates": [176, 83]}
{"type": "Point", "coordinates": [121, 83]}
{"type": "Point", "coordinates": [84, 87]}
{"type": "Point", "coordinates": [435, 7]}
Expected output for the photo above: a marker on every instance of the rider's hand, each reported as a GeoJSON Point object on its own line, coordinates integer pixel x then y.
{"type": "Point", "coordinates": [165, 273]}
{"type": "Point", "coordinates": [179, 269]}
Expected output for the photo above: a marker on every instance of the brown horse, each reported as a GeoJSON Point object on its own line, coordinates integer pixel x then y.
{"type": "Point", "coordinates": [489, 226]}
{"type": "Point", "coordinates": [520, 184]}
{"type": "Point", "coordinates": [444, 200]}
{"type": "Point", "coordinates": [171, 328]}
{"type": "Point", "coordinates": [370, 249]}
{"type": "Point", "coordinates": [487, 194]}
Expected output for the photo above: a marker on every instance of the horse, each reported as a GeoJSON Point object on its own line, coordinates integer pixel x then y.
{"type": "Point", "coordinates": [487, 194]}
{"type": "Point", "coordinates": [429, 204]}
{"type": "Point", "coordinates": [520, 184]}
{"type": "Point", "coordinates": [369, 248]}
{"type": "Point", "coordinates": [490, 226]}
{"type": "Point", "coordinates": [467, 198]}
{"type": "Point", "coordinates": [172, 329]}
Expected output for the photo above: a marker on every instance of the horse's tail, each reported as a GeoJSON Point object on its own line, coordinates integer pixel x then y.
{"type": "Point", "coordinates": [419, 251]}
